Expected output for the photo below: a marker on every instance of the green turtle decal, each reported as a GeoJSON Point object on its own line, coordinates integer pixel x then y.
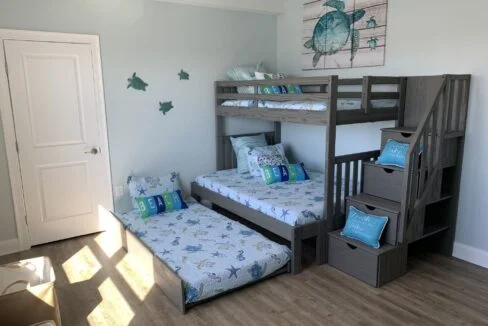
{"type": "Point", "coordinates": [165, 107]}
{"type": "Point", "coordinates": [184, 75]}
{"type": "Point", "coordinates": [371, 23]}
{"type": "Point", "coordinates": [137, 83]}
{"type": "Point", "coordinates": [373, 43]}
{"type": "Point", "coordinates": [333, 30]}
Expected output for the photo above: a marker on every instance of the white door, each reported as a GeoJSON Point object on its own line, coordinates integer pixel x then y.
{"type": "Point", "coordinates": [61, 138]}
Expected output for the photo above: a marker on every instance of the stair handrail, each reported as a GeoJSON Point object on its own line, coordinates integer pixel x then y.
{"type": "Point", "coordinates": [421, 143]}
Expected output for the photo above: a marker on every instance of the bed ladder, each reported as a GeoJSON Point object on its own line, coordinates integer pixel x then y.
{"type": "Point", "coordinates": [421, 199]}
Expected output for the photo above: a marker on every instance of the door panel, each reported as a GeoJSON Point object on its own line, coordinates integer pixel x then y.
{"type": "Point", "coordinates": [57, 123]}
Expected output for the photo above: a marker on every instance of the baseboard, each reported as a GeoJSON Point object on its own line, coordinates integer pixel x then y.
{"type": "Point", "coordinates": [9, 246]}
{"type": "Point", "coordinates": [470, 254]}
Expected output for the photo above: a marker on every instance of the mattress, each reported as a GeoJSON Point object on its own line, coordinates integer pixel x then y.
{"type": "Point", "coordinates": [209, 252]}
{"type": "Point", "coordinates": [342, 104]}
{"type": "Point", "coordinates": [295, 203]}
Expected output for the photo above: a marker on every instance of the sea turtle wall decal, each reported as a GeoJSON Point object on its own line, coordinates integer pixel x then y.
{"type": "Point", "coordinates": [333, 30]}
{"type": "Point", "coordinates": [343, 33]}
{"type": "Point", "coordinates": [184, 75]}
{"type": "Point", "coordinates": [137, 83]}
{"type": "Point", "coordinates": [165, 107]}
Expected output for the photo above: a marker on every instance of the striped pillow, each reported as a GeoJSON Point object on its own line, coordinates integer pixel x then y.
{"type": "Point", "coordinates": [284, 173]}
{"type": "Point", "coordinates": [167, 202]}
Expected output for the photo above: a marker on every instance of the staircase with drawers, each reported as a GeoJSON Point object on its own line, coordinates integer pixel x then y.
{"type": "Point", "coordinates": [420, 200]}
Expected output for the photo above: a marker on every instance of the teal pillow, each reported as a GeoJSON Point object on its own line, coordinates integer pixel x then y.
{"type": "Point", "coordinates": [394, 153]}
{"type": "Point", "coordinates": [167, 202]}
{"type": "Point", "coordinates": [241, 146]}
{"type": "Point", "coordinates": [282, 173]}
{"type": "Point", "coordinates": [293, 89]}
{"type": "Point", "coordinates": [364, 227]}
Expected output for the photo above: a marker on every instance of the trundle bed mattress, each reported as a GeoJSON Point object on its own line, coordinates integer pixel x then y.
{"type": "Point", "coordinates": [209, 252]}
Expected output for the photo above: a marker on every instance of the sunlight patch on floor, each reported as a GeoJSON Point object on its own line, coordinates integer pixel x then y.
{"type": "Point", "coordinates": [82, 266]}
{"type": "Point", "coordinates": [113, 309]}
{"type": "Point", "coordinates": [135, 278]}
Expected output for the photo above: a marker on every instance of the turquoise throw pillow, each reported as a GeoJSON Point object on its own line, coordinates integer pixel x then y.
{"type": "Point", "coordinates": [283, 173]}
{"type": "Point", "coordinates": [364, 227]}
{"type": "Point", "coordinates": [394, 153]}
{"type": "Point", "coordinates": [167, 202]}
{"type": "Point", "coordinates": [241, 146]}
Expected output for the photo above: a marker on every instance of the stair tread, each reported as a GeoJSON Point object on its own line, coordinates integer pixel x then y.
{"type": "Point", "coordinates": [378, 202]}
{"type": "Point", "coordinates": [411, 130]}
{"type": "Point", "coordinates": [405, 130]}
{"type": "Point", "coordinates": [391, 167]}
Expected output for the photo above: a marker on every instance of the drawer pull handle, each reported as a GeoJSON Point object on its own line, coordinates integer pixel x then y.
{"type": "Point", "coordinates": [405, 135]}
{"type": "Point", "coordinates": [389, 171]}
{"type": "Point", "coordinates": [351, 246]}
{"type": "Point", "coordinates": [371, 208]}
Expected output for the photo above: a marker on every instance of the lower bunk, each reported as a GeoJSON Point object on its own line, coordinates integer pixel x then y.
{"type": "Point", "coordinates": [197, 254]}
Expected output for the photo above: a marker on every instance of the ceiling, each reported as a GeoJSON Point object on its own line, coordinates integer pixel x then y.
{"type": "Point", "coordinates": [273, 7]}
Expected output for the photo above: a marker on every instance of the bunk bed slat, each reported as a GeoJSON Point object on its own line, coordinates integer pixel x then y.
{"type": "Point", "coordinates": [338, 189]}
{"type": "Point", "coordinates": [355, 173]}
{"type": "Point", "coordinates": [302, 81]}
{"type": "Point", "coordinates": [319, 97]}
{"type": "Point", "coordinates": [347, 178]}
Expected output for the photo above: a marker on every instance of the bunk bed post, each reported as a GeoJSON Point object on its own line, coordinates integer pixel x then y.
{"type": "Point", "coordinates": [219, 133]}
{"type": "Point", "coordinates": [402, 89]}
{"type": "Point", "coordinates": [328, 224]}
{"type": "Point", "coordinates": [277, 132]}
{"type": "Point", "coordinates": [366, 95]}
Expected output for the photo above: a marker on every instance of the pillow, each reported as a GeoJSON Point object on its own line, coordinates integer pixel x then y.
{"type": "Point", "coordinates": [152, 186]}
{"type": "Point", "coordinates": [269, 89]}
{"type": "Point", "coordinates": [394, 153]}
{"type": "Point", "coordinates": [364, 227]}
{"type": "Point", "coordinates": [243, 73]}
{"type": "Point", "coordinates": [167, 202]}
{"type": "Point", "coordinates": [282, 173]}
{"type": "Point", "coordinates": [282, 89]}
{"type": "Point", "coordinates": [240, 143]}
{"type": "Point", "coordinates": [239, 103]}
{"type": "Point", "coordinates": [268, 155]}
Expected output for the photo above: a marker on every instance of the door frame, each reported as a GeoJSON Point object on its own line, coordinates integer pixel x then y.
{"type": "Point", "coordinates": [7, 118]}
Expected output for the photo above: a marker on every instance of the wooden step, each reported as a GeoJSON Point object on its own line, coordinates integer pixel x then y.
{"type": "Point", "coordinates": [380, 207]}
{"type": "Point", "coordinates": [383, 181]}
{"type": "Point", "coordinates": [378, 202]}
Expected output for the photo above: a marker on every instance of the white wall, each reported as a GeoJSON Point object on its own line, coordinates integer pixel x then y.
{"type": "Point", "coordinates": [155, 40]}
{"type": "Point", "coordinates": [423, 38]}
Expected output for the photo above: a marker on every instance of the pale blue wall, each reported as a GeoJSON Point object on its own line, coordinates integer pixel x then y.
{"type": "Point", "coordinates": [423, 38]}
{"type": "Point", "coordinates": [156, 40]}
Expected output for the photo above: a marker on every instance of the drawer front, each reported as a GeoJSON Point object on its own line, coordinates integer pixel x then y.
{"type": "Point", "coordinates": [390, 232]}
{"type": "Point", "coordinates": [353, 260]}
{"type": "Point", "coordinates": [383, 182]}
{"type": "Point", "coordinates": [398, 136]}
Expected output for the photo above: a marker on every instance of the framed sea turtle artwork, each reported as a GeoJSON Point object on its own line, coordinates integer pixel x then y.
{"type": "Point", "coordinates": [344, 33]}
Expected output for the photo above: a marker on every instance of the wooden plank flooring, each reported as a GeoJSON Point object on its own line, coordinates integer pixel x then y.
{"type": "Point", "coordinates": [98, 287]}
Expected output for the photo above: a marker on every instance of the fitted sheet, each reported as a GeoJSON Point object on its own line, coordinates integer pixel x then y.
{"type": "Point", "coordinates": [209, 252]}
{"type": "Point", "coordinates": [342, 104]}
{"type": "Point", "coordinates": [295, 203]}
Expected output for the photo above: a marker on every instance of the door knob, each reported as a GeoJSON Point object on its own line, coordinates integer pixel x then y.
{"type": "Point", "coordinates": [93, 151]}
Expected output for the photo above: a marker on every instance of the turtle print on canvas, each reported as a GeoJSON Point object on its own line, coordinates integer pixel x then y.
{"type": "Point", "coordinates": [344, 34]}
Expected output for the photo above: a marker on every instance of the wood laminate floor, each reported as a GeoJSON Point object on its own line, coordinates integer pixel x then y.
{"type": "Point", "coordinates": [103, 288]}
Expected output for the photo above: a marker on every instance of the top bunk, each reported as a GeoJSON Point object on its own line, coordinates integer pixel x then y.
{"type": "Point", "coordinates": [322, 101]}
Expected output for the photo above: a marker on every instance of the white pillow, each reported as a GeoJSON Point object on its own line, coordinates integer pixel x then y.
{"type": "Point", "coordinates": [274, 155]}
{"type": "Point", "coordinates": [152, 186]}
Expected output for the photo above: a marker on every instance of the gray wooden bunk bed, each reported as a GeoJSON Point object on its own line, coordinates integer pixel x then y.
{"type": "Point", "coordinates": [327, 90]}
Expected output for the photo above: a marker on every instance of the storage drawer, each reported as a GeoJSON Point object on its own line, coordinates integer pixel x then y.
{"type": "Point", "coordinates": [402, 137]}
{"type": "Point", "coordinates": [373, 266]}
{"type": "Point", "coordinates": [353, 260]}
{"type": "Point", "coordinates": [390, 235]}
{"type": "Point", "coordinates": [383, 181]}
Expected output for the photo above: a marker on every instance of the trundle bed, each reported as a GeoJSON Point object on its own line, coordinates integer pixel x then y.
{"type": "Point", "coordinates": [196, 254]}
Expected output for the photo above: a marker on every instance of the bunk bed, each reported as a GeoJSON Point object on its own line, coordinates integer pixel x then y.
{"type": "Point", "coordinates": [342, 175]}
